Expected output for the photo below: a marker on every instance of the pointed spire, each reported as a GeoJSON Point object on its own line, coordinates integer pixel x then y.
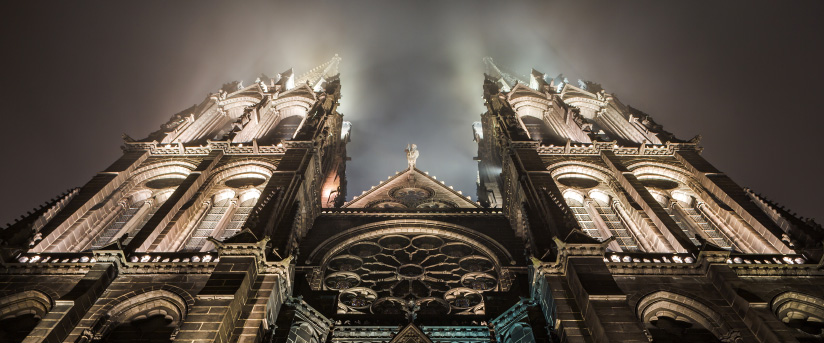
{"type": "Point", "coordinates": [286, 79]}
{"type": "Point", "coordinates": [320, 74]}
{"type": "Point", "coordinates": [507, 79]}
{"type": "Point", "coordinates": [537, 80]}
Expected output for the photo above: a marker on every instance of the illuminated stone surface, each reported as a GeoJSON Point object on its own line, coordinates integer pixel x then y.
{"type": "Point", "coordinates": [591, 223]}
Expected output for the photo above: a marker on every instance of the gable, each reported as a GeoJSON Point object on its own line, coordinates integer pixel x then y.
{"type": "Point", "coordinates": [411, 188]}
{"type": "Point", "coordinates": [411, 334]}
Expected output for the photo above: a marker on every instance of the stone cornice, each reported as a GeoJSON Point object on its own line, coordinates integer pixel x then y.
{"type": "Point", "coordinates": [751, 265]}
{"type": "Point", "coordinates": [157, 149]}
{"type": "Point", "coordinates": [412, 212]}
{"type": "Point", "coordinates": [595, 148]}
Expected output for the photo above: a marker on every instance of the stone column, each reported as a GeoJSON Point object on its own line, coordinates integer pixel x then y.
{"type": "Point", "coordinates": [632, 226]}
{"type": "Point", "coordinates": [72, 307]}
{"type": "Point", "coordinates": [136, 219]}
{"type": "Point", "coordinates": [741, 240]}
{"type": "Point", "coordinates": [221, 225]}
{"type": "Point", "coordinates": [102, 224]}
{"type": "Point", "coordinates": [651, 207]}
{"type": "Point", "coordinates": [601, 302]}
{"type": "Point", "coordinates": [600, 224]}
{"type": "Point", "coordinates": [219, 304]}
{"type": "Point", "coordinates": [722, 187]}
{"type": "Point", "coordinates": [191, 226]}
{"type": "Point", "coordinates": [754, 312]}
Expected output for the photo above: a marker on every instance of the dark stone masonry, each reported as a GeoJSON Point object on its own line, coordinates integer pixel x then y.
{"type": "Point", "coordinates": [231, 224]}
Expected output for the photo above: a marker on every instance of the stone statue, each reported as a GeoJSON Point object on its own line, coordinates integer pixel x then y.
{"type": "Point", "coordinates": [411, 154]}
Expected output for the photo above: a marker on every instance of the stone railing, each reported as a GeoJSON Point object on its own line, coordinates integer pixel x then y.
{"type": "Point", "coordinates": [685, 258]}
{"type": "Point", "coordinates": [89, 257]}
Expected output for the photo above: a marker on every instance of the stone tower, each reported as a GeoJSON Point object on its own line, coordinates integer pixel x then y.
{"type": "Point", "coordinates": [230, 224]}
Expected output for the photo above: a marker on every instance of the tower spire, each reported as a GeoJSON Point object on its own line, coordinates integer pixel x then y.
{"type": "Point", "coordinates": [507, 79]}
{"type": "Point", "coordinates": [321, 73]}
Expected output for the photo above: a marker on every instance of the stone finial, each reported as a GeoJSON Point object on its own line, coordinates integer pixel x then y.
{"type": "Point", "coordinates": [411, 154]}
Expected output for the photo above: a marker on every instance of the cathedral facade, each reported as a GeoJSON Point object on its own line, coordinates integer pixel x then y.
{"type": "Point", "coordinates": [231, 224]}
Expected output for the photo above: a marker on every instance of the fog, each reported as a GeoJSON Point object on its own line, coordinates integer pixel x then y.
{"type": "Point", "coordinates": [745, 75]}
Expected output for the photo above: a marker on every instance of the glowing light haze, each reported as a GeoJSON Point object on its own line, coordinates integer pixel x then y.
{"type": "Point", "coordinates": [746, 75]}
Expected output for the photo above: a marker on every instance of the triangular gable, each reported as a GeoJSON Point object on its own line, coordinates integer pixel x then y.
{"type": "Point", "coordinates": [411, 334]}
{"type": "Point", "coordinates": [411, 188]}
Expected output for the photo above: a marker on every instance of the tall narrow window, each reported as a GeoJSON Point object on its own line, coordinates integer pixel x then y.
{"type": "Point", "coordinates": [247, 202]}
{"type": "Point", "coordinates": [616, 227]}
{"type": "Point", "coordinates": [703, 225]}
{"type": "Point", "coordinates": [664, 201]}
{"type": "Point", "coordinates": [107, 236]}
{"type": "Point", "coordinates": [583, 217]}
{"type": "Point", "coordinates": [209, 223]}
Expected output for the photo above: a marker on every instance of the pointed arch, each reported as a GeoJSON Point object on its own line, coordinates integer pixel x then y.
{"type": "Point", "coordinates": [21, 312]}
{"type": "Point", "coordinates": [660, 306]}
{"type": "Point", "coordinates": [800, 311]}
{"type": "Point", "coordinates": [26, 302]}
{"type": "Point", "coordinates": [127, 316]}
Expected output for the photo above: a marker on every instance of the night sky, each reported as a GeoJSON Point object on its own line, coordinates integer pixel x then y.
{"type": "Point", "coordinates": [745, 75]}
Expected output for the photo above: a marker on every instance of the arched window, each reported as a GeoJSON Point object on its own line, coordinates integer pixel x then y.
{"type": "Point", "coordinates": [138, 211]}
{"type": "Point", "coordinates": [285, 129]}
{"type": "Point", "coordinates": [215, 219]}
{"type": "Point", "coordinates": [148, 317]}
{"type": "Point", "coordinates": [576, 204]}
{"type": "Point", "coordinates": [700, 222]}
{"type": "Point", "coordinates": [664, 201]}
{"type": "Point", "coordinates": [692, 221]}
{"type": "Point", "coordinates": [671, 317]}
{"type": "Point", "coordinates": [20, 313]}
{"type": "Point", "coordinates": [599, 220]}
{"type": "Point", "coordinates": [800, 311]}
{"type": "Point", "coordinates": [538, 130]}
{"type": "Point", "coordinates": [624, 238]}
{"type": "Point", "coordinates": [246, 202]}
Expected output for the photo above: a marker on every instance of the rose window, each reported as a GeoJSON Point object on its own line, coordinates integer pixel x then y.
{"type": "Point", "coordinates": [397, 273]}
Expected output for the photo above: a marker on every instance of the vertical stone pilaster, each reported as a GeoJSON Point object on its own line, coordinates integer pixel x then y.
{"type": "Point", "coordinates": [602, 303]}
{"type": "Point", "coordinates": [651, 207]}
{"type": "Point", "coordinates": [727, 191]}
{"type": "Point", "coordinates": [309, 326]}
{"type": "Point", "coordinates": [219, 303]}
{"type": "Point", "coordinates": [59, 325]}
{"type": "Point", "coordinates": [753, 311]}
{"type": "Point", "coordinates": [92, 193]}
{"type": "Point", "coordinates": [156, 227]}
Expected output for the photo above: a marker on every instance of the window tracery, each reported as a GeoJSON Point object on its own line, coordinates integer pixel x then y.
{"type": "Point", "coordinates": [592, 206]}
{"type": "Point", "coordinates": [682, 207]}
{"type": "Point", "coordinates": [420, 272]}
{"type": "Point", "coordinates": [226, 210]}
{"type": "Point", "coordinates": [137, 208]}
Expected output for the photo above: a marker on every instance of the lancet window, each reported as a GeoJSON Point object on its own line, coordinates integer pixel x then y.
{"type": "Point", "coordinates": [597, 213]}
{"type": "Point", "coordinates": [682, 208]}
{"type": "Point", "coordinates": [213, 223]}
{"type": "Point", "coordinates": [135, 210]}
{"type": "Point", "coordinates": [223, 215]}
{"type": "Point", "coordinates": [624, 238]}
{"type": "Point", "coordinates": [576, 204]}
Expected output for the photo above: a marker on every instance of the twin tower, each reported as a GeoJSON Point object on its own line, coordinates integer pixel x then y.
{"type": "Point", "coordinates": [231, 224]}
